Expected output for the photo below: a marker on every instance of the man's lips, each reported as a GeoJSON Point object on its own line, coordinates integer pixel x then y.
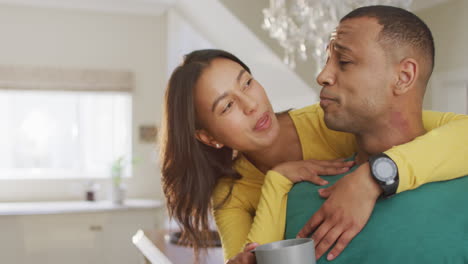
{"type": "Point", "coordinates": [264, 122]}
{"type": "Point", "coordinates": [326, 101]}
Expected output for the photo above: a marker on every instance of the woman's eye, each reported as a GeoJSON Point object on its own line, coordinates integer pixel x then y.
{"type": "Point", "coordinates": [344, 62]}
{"type": "Point", "coordinates": [247, 84]}
{"type": "Point", "coordinates": [227, 107]}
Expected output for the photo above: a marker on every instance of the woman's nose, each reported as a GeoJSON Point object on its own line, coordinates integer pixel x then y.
{"type": "Point", "coordinates": [250, 104]}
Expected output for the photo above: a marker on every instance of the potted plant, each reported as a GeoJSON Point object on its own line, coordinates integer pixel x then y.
{"type": "Point", "coordinates": [117, 187]}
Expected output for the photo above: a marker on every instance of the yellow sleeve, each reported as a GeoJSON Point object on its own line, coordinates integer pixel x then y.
{"type": "Point", "coordinates": [317, 140]}
{"type": "Point", "coordinates": [441, 154]}
{"type": "Point", "coordinates": [270, 219]}
{"type": "Point", "coordinates": [237, 225]}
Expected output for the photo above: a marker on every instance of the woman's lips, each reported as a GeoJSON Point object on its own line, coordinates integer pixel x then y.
{"type": "Point", "coordinates": [263, 123]}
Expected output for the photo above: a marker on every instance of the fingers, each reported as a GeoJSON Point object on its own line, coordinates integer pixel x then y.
{"type": "Point", "coordinates": [341, 244]}
{"type": "Point", "coordinates": [325, 167]}
{"type": "Point", "coordinates": [309, 170]}
{"type": "Point", "coordinates": [324, 170]}
{"type": "Point", "coordinates": [339, 159]}
{"type": "Point", "coordinates": [310, 226]}
{"type": "Point", "coordinates": [327, 241]}
{"type": "Point", "coordinates": [314, 169]}
{"type": "Point", "coordinates": [250, 246]}
{"type": "Point", "coordinates": [321, 232]}
{"type": "Point", "coordinates": [313, 178]}
{"type": "Point", "coordinates": [326, 192]}
{"type": "Point", "coordinates": [332, 163]}
{"type": "Point", "coordinates": [307, 173]}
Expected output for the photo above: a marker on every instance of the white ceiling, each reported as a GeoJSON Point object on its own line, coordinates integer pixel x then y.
{"type": "Point", "coordinates": [143, 7]}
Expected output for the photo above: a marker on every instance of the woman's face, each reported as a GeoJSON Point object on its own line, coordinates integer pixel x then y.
{"type": "Point", "coordinates": [233, 108]}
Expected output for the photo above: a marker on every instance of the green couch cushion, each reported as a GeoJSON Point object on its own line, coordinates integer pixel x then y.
{"type": "Point", "coordinates": [425, 225]}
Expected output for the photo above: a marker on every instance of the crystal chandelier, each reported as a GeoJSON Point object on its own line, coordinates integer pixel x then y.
{"type": "Point", "coordinates": [303, 27]}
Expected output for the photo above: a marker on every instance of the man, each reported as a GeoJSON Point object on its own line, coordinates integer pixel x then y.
{"type": "Point", "coordinates": [380, 60]}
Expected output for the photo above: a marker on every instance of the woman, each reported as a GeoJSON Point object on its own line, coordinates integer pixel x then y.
{"type": "Point", "coordinates": [213, 106]}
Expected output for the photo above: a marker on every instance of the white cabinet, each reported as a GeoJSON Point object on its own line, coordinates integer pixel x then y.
{"type": "Point", "coordinates": [93, 236]}
{"type": "Point", "coordinates": [11, 240]}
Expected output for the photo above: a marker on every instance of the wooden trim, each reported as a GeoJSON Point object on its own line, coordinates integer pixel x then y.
{"type": "Point", "coordinates": [64, 79]}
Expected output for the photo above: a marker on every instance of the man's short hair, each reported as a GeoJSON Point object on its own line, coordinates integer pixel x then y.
{"type": "Point", "coordinates": [400, 27]}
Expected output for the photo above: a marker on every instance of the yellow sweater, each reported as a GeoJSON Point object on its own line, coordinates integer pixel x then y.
{"type": "Point", "coordinates": [256, 209]}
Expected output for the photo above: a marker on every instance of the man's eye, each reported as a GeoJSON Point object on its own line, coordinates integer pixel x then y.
{"type": "Point", "coordinates": [344, 62]}
{"type": "Point", "coordinates": [227, 107]}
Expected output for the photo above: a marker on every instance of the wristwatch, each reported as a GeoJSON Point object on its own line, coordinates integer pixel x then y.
{"type": "Point", "coordinates": [385, 173]}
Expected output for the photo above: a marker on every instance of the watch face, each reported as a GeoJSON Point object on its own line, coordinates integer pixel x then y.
{"type": "Point", "coordinates": [384, 169]}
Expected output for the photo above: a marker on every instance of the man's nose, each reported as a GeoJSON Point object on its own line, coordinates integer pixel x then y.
{"type": "Point", "coordinates": [326, 77]}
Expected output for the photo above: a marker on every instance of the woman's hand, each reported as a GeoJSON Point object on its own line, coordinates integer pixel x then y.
{"type": "Point", "coordinates": [245, 257]}
{"type": "Point", "coordinates": [308, 170]}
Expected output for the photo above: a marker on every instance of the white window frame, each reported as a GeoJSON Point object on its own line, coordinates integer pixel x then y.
{"type": "Point", "coordinates": [47, 79]}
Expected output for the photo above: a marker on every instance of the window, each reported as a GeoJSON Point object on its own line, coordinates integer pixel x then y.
{"type": "Point", "coordinates": [50, 134]}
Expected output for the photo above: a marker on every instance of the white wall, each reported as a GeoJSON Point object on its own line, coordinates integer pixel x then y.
{"type": "Point", "coordinates": [182, 38]}
{"type": "Point", "coordinates": [221, 28]}
{"type": "Point", "coordinates": [85, 39]}
{"type": "Point", "coordinates": [448, 22]}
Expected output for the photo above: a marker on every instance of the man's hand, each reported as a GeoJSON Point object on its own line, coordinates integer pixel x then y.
{"type": "Point", "coordinates": [245, 257]}
{"type": "Point", "coordinates": [350, 202]}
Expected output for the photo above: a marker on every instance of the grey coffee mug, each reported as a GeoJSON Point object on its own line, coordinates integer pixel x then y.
{"type": "Point", "coordinates": [291, 251]}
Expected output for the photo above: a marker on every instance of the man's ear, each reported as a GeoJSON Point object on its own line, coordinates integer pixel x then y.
{"type": "Point", "coordinates": [204, 137]}
{"type": "Point", "coordinates": [408, 70]}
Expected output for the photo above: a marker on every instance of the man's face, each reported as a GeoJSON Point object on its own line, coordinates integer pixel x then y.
{"type": "Point", "coordinates": [356, 78]}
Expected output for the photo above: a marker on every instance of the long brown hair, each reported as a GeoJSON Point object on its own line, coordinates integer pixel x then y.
{"type": "Point", "coordinates": [191, 169]}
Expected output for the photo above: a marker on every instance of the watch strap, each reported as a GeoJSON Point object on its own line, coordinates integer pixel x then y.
{"type": "Point", "coordinates": [388, 190]}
